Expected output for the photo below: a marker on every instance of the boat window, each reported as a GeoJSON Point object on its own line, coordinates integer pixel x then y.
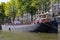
{"type": "Point", "coordinates": [44, 16]}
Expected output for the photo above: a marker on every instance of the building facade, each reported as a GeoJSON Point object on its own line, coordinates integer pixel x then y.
{"type": "Point", "coordinates": [56, 10]}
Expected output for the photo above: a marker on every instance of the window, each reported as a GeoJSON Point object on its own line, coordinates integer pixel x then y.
{"type": "Point", "coordinates": [44, 16]}
{"type": "Point", "coordinates": [58, 13]}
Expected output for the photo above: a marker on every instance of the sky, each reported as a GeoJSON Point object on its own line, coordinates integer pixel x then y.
{"type": "Point", "coordinates": [4, 0]}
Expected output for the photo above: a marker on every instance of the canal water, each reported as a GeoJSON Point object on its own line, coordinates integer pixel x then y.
{"type": "Point", "coordinates": [27, 36]}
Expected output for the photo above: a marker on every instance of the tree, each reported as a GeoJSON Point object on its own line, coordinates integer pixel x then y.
{"type": "Point", "coordinates": [10, 10]}
{"type": "Point", "coordinates": [19, 7]}
{"type": "Point", "coordinates": [30, 6]}
{"type": "Point", "coordinates": [2, 13]}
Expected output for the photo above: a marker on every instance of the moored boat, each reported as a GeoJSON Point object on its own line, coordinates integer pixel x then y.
{"type": "Point", "coordinates": [46, 25]}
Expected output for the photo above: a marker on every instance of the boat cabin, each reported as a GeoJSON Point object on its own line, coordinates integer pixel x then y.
{"type": "Point", "coordinates": [45, 16]}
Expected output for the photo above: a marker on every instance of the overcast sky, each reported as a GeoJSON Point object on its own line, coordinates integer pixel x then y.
{"type": "Point", "coordinates": [4, 0]}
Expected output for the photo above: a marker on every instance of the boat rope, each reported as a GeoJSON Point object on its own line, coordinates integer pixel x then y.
{"type": "Point", "coordinates": [52, 25]}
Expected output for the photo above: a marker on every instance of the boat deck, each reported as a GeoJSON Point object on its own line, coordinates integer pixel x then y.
{"type": "Point", "coordinates": [19, 27]}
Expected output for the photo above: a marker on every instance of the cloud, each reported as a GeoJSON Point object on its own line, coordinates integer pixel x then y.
{"type": "Point", "coordinates": [4, 0]}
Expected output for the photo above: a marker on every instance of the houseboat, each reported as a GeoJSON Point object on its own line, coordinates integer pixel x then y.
{"type": "Point", "coordinates": [46, 23]}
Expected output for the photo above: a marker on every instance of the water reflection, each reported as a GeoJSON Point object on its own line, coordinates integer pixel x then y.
{"type": "Point", "coordinates": [59, 36]}
{"type": "Point", "coordinates": [27, 36]}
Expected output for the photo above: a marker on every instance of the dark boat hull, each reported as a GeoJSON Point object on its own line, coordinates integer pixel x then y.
{"type": "Point", "coordinates": [46, 28]}
{"type": "Point", "coordinates": [41, 27]}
